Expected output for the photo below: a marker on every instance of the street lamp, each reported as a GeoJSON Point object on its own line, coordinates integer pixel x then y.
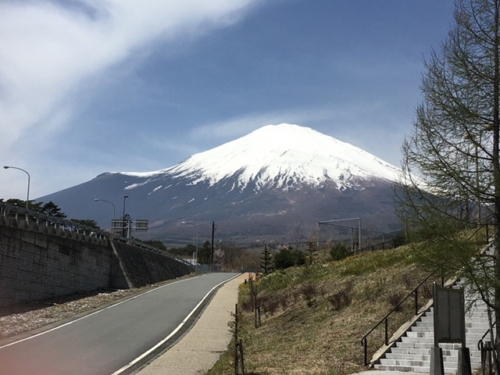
{"type": "Point", "coordinates": [123, 217]}
{"type": "Point", "coordinates": [28, 194]}
{"type": "Point", "coordinates": [103, 200]}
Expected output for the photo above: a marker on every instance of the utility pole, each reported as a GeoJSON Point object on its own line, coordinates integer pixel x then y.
{"type": "Point", "coordinates": [212, 252]}
{"type": "Point", "coordinates": [124, 233]}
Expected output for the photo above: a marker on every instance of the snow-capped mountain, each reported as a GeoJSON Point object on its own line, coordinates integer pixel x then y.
{"type": "Point", "coordinates": [281, 157]}
{"type": "Point", "coordinates": [261, 184]}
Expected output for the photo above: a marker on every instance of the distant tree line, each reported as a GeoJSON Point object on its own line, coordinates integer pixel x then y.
{"type": "Point", "coordinates": [290, 256]}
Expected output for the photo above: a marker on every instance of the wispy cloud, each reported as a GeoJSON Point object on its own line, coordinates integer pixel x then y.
{"type": "Point", "coordinates": [46, 49]}
{"type": "Point", "coordinates": [50, 49]}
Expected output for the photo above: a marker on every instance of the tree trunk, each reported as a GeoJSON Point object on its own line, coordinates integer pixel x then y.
{"type": "Point", "coordinates": [496, 172]}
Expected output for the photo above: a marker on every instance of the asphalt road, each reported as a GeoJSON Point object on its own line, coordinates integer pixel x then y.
{"type": "Point", "coordinates": [110, 340]}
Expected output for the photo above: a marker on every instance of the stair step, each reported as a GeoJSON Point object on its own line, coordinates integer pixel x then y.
{"type": "Point", "coordinates": [412, 352]}
{"type": "Point", "coordinates": [422, 369]}
{"type": "Point", "coordinates": [405, 362]}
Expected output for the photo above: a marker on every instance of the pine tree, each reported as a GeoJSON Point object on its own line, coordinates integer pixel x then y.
{"type": "Point", "coordinates": [52, 209]}
{"type": "Point", "coordinates": [311, 249]}
{"type": "Point", "coordinates": [204, 253]}
{"type": "Point", "coordinates": [266, 261]}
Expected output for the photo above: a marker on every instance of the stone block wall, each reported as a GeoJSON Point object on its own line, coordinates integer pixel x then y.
{"type": "Point", "coordinates": [39, 261]}
{"type": "Point", "coordinates": [46, 262]}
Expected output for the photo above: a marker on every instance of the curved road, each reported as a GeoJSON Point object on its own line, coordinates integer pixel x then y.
{"type": "Point", "coordinates": [108, 341]}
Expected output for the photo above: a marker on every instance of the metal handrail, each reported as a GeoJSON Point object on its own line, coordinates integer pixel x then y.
{"type": "Point", "coordinates": [483, 350]}
{"type": "Point", "coordinates": [364, 340]}
{"type": "Point", "coordinates": [480, 342]}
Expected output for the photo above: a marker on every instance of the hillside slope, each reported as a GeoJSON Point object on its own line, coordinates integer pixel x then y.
{"type": "Point", "coordinates": [313, 317]}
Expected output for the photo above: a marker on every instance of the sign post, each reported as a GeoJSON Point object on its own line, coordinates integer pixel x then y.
{"type": "Point", "coordinates": [139, 225]}
{"type": "Point", "coordinates": [449, 327]}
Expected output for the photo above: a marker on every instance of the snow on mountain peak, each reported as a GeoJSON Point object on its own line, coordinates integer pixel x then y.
{"type": "Point", "coordinates": [282, 156]}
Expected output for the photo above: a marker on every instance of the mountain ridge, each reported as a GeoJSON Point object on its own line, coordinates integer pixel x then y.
{"type": "Point", "coordinates": [263, 184]}
{"type": "Point", "coordinates": [292, 154]}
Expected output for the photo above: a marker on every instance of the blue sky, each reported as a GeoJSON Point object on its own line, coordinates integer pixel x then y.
{"type": "Point", "coordinates": [97, 86]}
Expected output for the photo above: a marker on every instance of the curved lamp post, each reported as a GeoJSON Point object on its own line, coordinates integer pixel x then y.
{"type": "Point", "coordinates": [104, 200]}
{"type": "Point", "coordinates": [28, 194]}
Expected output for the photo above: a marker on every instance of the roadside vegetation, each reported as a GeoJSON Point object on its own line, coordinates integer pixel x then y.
{"type": "Point", "coordinates": [313, 316]}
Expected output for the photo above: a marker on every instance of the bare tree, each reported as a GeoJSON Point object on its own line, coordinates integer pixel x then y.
{"type": "Point", "coordinates": [454, 151]}
{"type": "Point", "coordinates": [297, 235]}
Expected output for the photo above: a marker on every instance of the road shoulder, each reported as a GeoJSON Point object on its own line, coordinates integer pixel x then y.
{"type": "Point", "coordinates": [198, 350]}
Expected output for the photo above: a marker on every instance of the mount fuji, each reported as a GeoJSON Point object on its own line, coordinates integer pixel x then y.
{"type": "Point", "coordinates": [262, 186]}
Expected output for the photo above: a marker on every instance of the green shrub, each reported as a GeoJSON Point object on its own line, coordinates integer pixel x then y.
{"type": "Point", "coordinates": [288, 257]}
{"type": "Point", "coordinates": [277, 280]}
{"type": "Point", "coordinates": [339, 251]}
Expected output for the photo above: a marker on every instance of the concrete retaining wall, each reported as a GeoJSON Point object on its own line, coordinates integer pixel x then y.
{"type": "Point", "coordinates": [142, 267]}
{"type": "Point", "coordinates": [38, 262]}
{"type": "Point", "coordinates": [36, 265]}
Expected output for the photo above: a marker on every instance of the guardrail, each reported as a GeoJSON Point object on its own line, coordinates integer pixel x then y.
{"type": "Point", "coordinates": [20, 213]}
{"type": "Point", "coordinates": [8, 210]}
{"type": "Point", "coordinates": [142, 245]}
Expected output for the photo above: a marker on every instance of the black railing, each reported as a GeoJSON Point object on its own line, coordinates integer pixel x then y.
{"type": "Point", "coordinates": [364, 340]}
{"type": "Point", "coordinates": [385, 320]}
{"type": "Point", "coordinates": [486, 350]}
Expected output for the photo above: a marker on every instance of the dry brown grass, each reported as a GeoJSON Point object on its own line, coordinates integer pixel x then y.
{"type": "Point", "coordinates": [307, 335]}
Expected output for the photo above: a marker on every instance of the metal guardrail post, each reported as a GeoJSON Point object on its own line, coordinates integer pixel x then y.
{"type": "Point", "coordinates": [386, 331]}
{"type": "Point", "coordinates": [365, 347]}
{"type": "Point", "coordinates": [416, 301]}
{"type": "Point", "coordinates": [385, 320]}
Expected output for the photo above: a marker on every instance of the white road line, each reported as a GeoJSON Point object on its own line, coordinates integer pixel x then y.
{"type": "Point", "coordinates": [145, 354]}
{"type": "Point", "coordinates": [89, 315]}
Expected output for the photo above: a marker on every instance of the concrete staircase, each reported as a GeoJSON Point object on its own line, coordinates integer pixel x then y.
{"type": "Point", "coordinates": [412, 352]}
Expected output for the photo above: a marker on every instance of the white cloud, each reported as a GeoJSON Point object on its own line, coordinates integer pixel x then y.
{"type": "Point", "coordinates": [48, 51]}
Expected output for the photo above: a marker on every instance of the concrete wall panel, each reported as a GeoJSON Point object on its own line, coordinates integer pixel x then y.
{"type": "Point", "coordinates": [35, 265]}
{"type": "Point", "coordinates": [41, 262]}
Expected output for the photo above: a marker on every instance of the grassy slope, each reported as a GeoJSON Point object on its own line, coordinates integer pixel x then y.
{"type": "Point", "coordinates": [302, 332]}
